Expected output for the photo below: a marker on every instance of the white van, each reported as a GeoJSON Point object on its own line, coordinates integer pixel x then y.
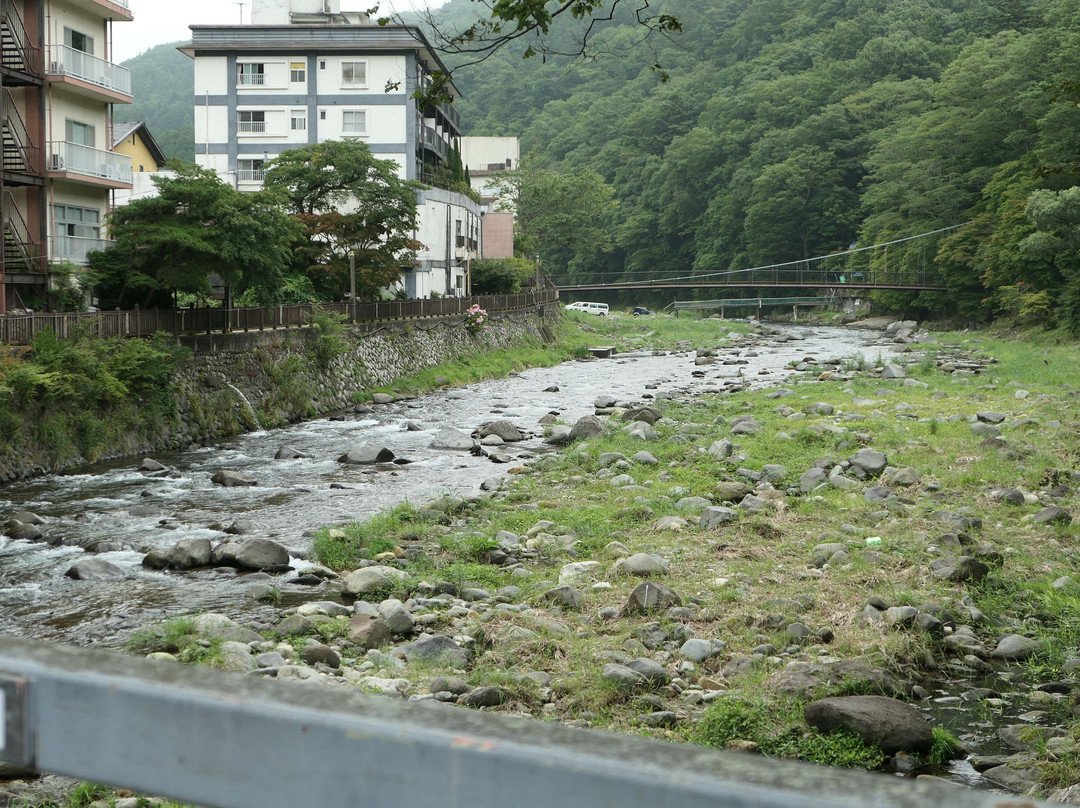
{"type": "Point", "coordinates": [599, 309]}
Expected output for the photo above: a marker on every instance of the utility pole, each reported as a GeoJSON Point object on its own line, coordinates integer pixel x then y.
{"type": "Point", "coordinates": [241, 11]}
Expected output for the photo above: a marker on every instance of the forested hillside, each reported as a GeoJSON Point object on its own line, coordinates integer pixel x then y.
{"type": "Point", "coordinates": [790, 128]}
{"type": "Point", "coordinates": [162, 79]}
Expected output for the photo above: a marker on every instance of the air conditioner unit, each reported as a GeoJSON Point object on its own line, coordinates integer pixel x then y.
{"type": "Point", "coordinates": [57, 163]}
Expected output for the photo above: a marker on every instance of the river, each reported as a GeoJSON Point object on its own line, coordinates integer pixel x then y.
{"type": "Point", "coordinates": [116, 507]}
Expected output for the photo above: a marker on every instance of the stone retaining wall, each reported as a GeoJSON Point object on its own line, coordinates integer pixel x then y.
{"type": "Point", "coordinates": [284, 378]}
{"type": "Point", "coordinates": [279, 375]}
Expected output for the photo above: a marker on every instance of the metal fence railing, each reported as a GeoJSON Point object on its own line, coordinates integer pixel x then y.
{"type": "Point", "coordinates": [20, 329]}
{"type": "Point", "coordinates": [232, 741]}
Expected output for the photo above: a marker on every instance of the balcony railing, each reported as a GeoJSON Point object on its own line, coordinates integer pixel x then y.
{"type": "Point", "coordinates": [78, 159]}
{"type": "Point", "coordinates": [251, 126]}
{"type": "Point", "coordinates": [251, 175]}
{"type": "Point", "coordinates": [76, 248]}
{"type": "Point", "coordinates": [433, 141]}
{"type": "Point", "coordinates": [66, 61]}
{"type": "Point", "coordinates": [251, 79]}
{"type": "Point", "coordinates": [122, 4]}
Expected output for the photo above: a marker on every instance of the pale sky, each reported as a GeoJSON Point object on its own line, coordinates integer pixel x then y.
{"type": "Point", "coordinates": [158, 21]}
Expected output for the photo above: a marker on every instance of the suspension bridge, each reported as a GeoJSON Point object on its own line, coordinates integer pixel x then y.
{"type": "Point", "coordinates": [900, 264]}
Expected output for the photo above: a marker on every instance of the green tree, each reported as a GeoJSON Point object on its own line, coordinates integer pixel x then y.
{"type": "Point", "coordinates": [557, 211]}
{"type": "Point", "coordinates": [349, 203]}
{"type": "Point", "coordinates": [195, 227]}
{"type": "Point", "coordinates": [1056, 216]}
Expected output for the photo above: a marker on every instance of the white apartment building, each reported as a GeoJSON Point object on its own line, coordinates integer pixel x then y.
{"type": "Point", "coordinates": [58, 177]}
{"type": "Point", "coordinates": [303, 72]}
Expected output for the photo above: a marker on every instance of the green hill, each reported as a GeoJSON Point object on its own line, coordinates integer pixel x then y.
{"type": "Point", "coordinates": [162, 79]}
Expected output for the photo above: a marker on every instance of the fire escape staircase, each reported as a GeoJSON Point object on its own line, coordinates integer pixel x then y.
{"type": "Point", "coordinates": [17, 54]}
{"type": "Point", "coordinates": [21, 156]}
{"type": "Point", "coordinates": [22, 255]}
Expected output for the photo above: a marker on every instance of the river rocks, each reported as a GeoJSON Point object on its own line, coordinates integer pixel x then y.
{"type": "Point", "coordinates": [622, 678]}
{"type": "Point", "coordinates": [871, 462]}
{"type": "Point", "coordinates": [149, 464]}
{"type": "Point", "coordinates": [233, 479]}
{"type": "Point", "coordinates": [887, 723]}
{"type": "Point", "coordinates": [237, 656]}
{"type": "Point", "coordinates": [435, 649]}
{"type": "Point", "coordinates": [578, 572]}
{"type": "Point", "coordinates": [651, 597]}
{"type": "Point", "coordinates": [23, 531]}
{"type": "Point", "coordinates": [732, 491]}
{"type": "Point", "coordinates": [94, 569]}
{"type": "Point", "coordinates": [1009, 496]}
{"type": "Point", "coordinates": [745, 425]}
{"type": "Point", "coordinates": [959, 569]}
{"type": "Point", "coordinates": [804, 679]}
{"type": "Point", "coordinates": [214, 625]}
{"type": "Point", "coordinates": [566, 597]}
{"type": "Point", "coordinates": [397, 617]}
{"type": "Point", "coordinates": [557, 435]}
{"type": "Point", "coordinates": [369, 631]}
{"type": "Point", "coordinates": [383, 398]}
{"type": "Point", "coordinates": [254, 554]}
{"type": "Point", "coordinates": [370, 454]}
{"type": "Point", "coordinates": [588, 426]}
{"type": "Point", "coordinates": [1016, 647]}
{"type": "Point", "coordinates": [501, 429]}
{"type": "Point", "coordinates": [491, 696]}
{"type": "Point", "coordinates": [290, 453]}
{"type": "Point", "coordinates": [369, 580]}
{"type": "Point", "coordinates": [715, 516]}
{"type": "Point", "coordinates": [642, 565]}
{"type": "Point", "coordinates": [1018, 776]}
{"type": "Point", "coordinates": [722, 449]}
{"type": "Point", "coordinates": [184, 555]}
{"type": "Point", "coordinates": [1052, 515]}
{"type": "Point", "coordinates": [700, 650]}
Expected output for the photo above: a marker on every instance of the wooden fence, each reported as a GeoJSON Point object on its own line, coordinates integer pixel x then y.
{"type": "Point", "coordinates": [20, 329]}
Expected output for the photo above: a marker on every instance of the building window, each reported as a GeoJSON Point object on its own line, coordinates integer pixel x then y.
{"type": "Point", "coordinates": [354, 121]}
{"type": "Point", "coordinates": [76, 222]}
{"type": "Point", "coordinates": [251, 121]}
{"type": "Point", "coordinates": [322, 114]}
{"type": "Point", "coordinates": [78, 41]}
{"type": "Point", "coordinates": [250, 73]}
{"type": "Point", "coordinates": [354, 74]}
{"type": "Point", "coordinates": [297, 72]}
{"type": "Point", "coordinates": [250, 170]}
{"type": "Point", "coordinates": [80, 133]}
{"type": "Point", "coordinates": [298, 120]}
{"type": "Point", "coordinates": [322, 64]}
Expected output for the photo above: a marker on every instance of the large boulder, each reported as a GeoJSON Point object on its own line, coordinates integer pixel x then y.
{"type": "Point", "coordinates": [261, 554]}
{"type": "Point", "coordinates": [233, 479]}
{"type": "Point", "coordinates": [716, 516]}
{"type": "Point", "coordinates": [367, 455]}
{"type": "Point", "coordinates": [453, 439]}
{"type": "Point", "coordinates": [651, 597]}
{"type": "Point", "coordinates": [588, 426]}
{"type": "Point", "coordinates": [369, 631]}
{"type": "Point", "coordinates": [369, 580]}
{"type": "Point", "coordinates": [186, 554]}
{"type": "Point", "coordinates": [94, 569]}
{"type": "Point", "coordinates": [435, 649]}
{"type": "Point", "coordinates": [871, 462]}
{"type": "Point", "coordinates": [503, 429]}
{"type": "Point", "coordinates": [889, 724]}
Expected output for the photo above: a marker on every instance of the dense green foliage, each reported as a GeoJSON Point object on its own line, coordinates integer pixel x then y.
{"type": "Point", "coordinates": [195, 226]}
{"type": "Point", "coordinates": [349, 202]}
{"type": "Point", "coordinates": [500, 276]}
{"type": "Point", "coordinates": [81, 398]}
{"type": "Point", "coordinates": [791, 128]}
{"type": "Point", "coordinates": [161, 81]}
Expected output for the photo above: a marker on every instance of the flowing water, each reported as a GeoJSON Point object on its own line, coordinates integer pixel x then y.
{"type": "Point", "coordinates": [122, 513]}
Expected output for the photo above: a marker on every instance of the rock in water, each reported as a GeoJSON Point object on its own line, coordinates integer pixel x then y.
{"type": "Point", "coordinates": [94, 569]}
{"type": "Point", "coordinates": [450, 438]}
{"type": "Point", "coordinates": [233, 479]}
{"type": "Point", "coordinates": [366, 455]}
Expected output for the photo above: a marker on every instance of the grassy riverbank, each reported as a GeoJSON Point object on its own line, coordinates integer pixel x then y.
{"type": "Point", "coordinates": [790, 558]}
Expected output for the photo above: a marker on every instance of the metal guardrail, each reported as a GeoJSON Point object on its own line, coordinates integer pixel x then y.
{"type": "Point", "coordinates": [67, 61]}
{"type": "Point", "coordinates": [232, 741]}
{"type": "Point", "coordinates": [90, 162]}
{"type": "Point", "coordinates": [758, 302]}
{"type": "Point", "coordinates": [20, 329]}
